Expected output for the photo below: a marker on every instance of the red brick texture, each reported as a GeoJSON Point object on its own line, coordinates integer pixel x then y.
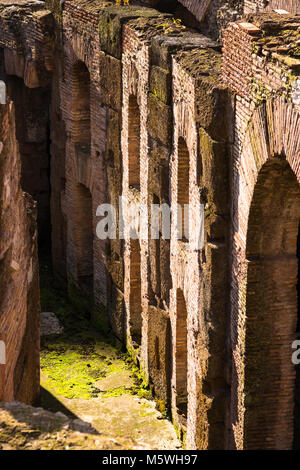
{"type": "Point", "coordinates": [145, 108]}
{"type": "Point", "coordinates": [19, 304]}
{"type": "Point", "coordinates": [181, 350]}
{"type": "Point", "coordinates": [263, 321]}
{"type": "Point", "coordinates": [183, 180]}
{"type": "Point", "coordinates": [81, 104]}
{"type": "Point", "coordinates": [267, 270]}
{"type": "Point", "coordinates": [134, 142]}
{"type": "Point", "coordinates": [271, 306]}
{"type": "Point", "coordinates": [135, 292]}
{"type": "Point", "coordinates": [254, 6]}
{"type": "Point", "coordinates": [197, 7]}
{"type": "Point", "coordinates": [84, 115]}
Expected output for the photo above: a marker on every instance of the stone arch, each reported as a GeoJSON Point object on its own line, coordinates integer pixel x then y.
{"type": "Point", "coordinates": [134, 130]}
{"type": "Point", "coordinates": [135, 320]}
{"type": "Point", "coordinates": [271, 307]}
{"type": "Point", "coordinates": [81, 104]}
{"type": "Point", "coordinates": [84, 238]}
{"type": "Point", "coordinates": [270, 144]}
{"type": "Point", "coordinates": [181, 353]}
{"type": "Point", "coordinates": [183, 175]}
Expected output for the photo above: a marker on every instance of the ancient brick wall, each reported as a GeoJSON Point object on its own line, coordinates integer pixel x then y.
{"type": "Point", "coordinates": [204, 132]}
{"type": "Point", "coordinates": [266, 111]}
{"type": "Point", "coordinates": [157, 301]}
{"type": "Point", "coordinates": [27, 50]}
{"type": "Point", "coordinates": [254, 6]}
{"type": "Point", "coordinates": [214, 15]}
{"type": "Point", "coordinates": [19, 285]}
{"type": "Point", "coordinates": [145, 108]}
{"type": "Point", "coordinates": [133, 140]}
{"type": "Point", "coordinates": [28, 45]}
{"type": "Point", "coordinates": [197, 7]}
{"type": "Point", "coordinates": [202, 8]}
{"type": "Point", "coordinates": [84, 117]}
{"type": "Point", "coordinates": [32, 130]}
{"type": "Point", "coordinates": [211, 16]}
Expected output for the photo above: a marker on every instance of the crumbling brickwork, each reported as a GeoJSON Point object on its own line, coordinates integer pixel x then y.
{"type": "Point", "coordinates": [267, 108]}
{"type": "Point", "coordinates": [202, 8]}
{"type": "Point", "coordinates": [144, 107]}
{"type": "Point", "coordinates": [28, 59]}
{"type": "Point", "coordinates": [214, 15]}
{"type": "Point", "coordinates": [254, 6]}
{"type": "Point", "coordinates": [202, 135]}
{"type": "Point", "coordinates": [19, 303]}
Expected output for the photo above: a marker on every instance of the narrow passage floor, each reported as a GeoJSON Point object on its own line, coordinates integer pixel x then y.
{"type": "Point", "coordinates": [85, 375]}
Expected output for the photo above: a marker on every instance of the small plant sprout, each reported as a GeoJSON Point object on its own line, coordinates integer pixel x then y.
{"type": "Point", "coordinates": [125, 2]}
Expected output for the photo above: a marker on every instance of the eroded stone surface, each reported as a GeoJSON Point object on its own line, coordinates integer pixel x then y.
{"type": "Point", "coordinates": [116, 408]}
{"type": "Point", "coordinates": [27, 428]}
{"type": "Point", "coordinates": [144, 106]}
{"type": "Point", "coordinates": [127, 415]}
{"type": "Point", "coordinates": [117, 380]}
{"type": "Point", "coordinates": [19, 301]}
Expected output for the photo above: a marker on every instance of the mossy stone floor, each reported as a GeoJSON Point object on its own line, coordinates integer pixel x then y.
{"type": "Point", "coordinates": [85, 374]}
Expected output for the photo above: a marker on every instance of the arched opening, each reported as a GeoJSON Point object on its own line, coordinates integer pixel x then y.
{"type": "Point", "coordinates": [271, 308]}
{"type": "Point", "coordinates": [33, 135]}
{"type": "Point", "coordinates": [135, 293]}
{"type": "Point", "coordinates": [81, 105]}
{"type": "Point", "coordinates": [183, 184]}
{"type": "Point", "coordinates": [134, 142]}
{"type": "Point", "coordinates": [154, 293]}
{"type": "Point", "coordinates": [84, 225]}
{"type": "Point", "coordinates": [181, 354]}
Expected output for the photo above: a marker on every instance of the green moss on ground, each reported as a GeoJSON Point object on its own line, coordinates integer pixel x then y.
{"type": "Point", "coordinates": [87, 375]}
{"type": "Point", "coordinates": [72, 363]}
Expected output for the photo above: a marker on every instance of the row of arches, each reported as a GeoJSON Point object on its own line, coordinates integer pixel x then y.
{"type": "Point", "coordinates": [272, 311]}
{"type": "Point", "coordinates": [272, 314]}
{"type": "Point", "coordinates": [135, 307]}
{"type": "Point", "coordinates": [81, 137]}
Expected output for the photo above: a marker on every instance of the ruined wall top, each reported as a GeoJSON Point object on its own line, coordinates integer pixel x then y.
{"type": "Point", "coordinates": [272, 39]}
{"type": "Point", "coordinates": [254, 6]}
{"type": "Point", "coordinates": [200, 8]}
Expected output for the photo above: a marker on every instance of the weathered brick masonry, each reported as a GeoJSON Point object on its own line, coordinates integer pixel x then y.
{"type": "Point", "coordinates": [202, 8]}
{"type": "Point", "coordinates": [201, 128]}
{"type": "Point", "coordinates": [19, 301]}
{"type": "Point", "coordinates": [142, 106]}
{"type": "Point", "coordinates": [254, 6]}
{"type": "Point", "coordinates": [214, 15]}
{"type": "Point", "coordinates": [28, 60]}
{"type": "Point", "coordinates": [25, 58]}
{"type": "Point", "coordinates": [264, 229]}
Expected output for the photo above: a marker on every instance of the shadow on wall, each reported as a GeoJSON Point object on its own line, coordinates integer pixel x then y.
{"type": "Point", "coordinates": [33, 136]}
{"type": "Point", "coordinates": [271, 305]}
